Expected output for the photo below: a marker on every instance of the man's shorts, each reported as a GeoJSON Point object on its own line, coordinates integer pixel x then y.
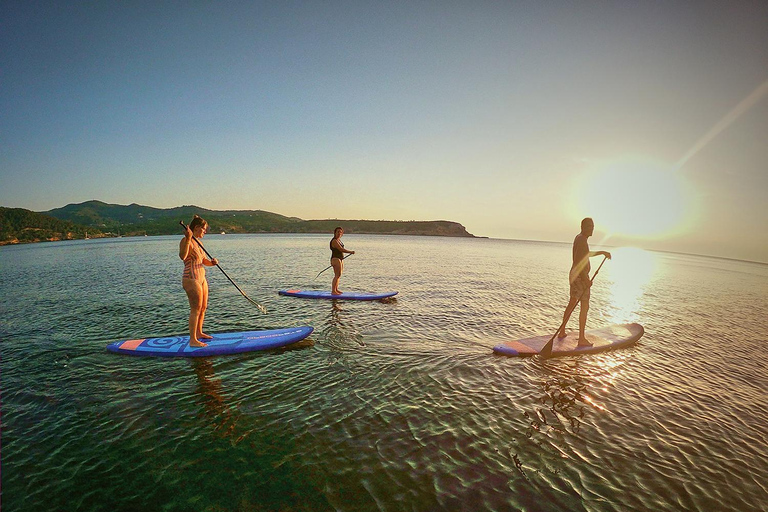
{"type": "Point", "coordinates": [580, 289]}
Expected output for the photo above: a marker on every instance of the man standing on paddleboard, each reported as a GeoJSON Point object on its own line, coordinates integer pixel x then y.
{"type": "Point", "coordinates": [579, 280]}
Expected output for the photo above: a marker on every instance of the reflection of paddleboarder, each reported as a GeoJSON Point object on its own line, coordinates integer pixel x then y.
{"type": "Point", "coordinates": [337, 259]}
{"type": "Point", "coordinates": [579, 279]}
{"type": "Point", "coordinates": [209, 388]}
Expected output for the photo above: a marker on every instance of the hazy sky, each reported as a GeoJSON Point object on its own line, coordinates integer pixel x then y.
{"type": "Point", "coordinates": [515, 119]}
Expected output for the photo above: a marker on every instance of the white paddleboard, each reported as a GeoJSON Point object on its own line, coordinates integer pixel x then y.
{"type": "Point", "coordinates": [605, 338]}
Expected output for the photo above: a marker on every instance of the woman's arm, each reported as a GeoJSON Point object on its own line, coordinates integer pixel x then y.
{"type": "Point", "coordinates": [184, 244]}
{"type": "Point", "coordinates": [339, 247]}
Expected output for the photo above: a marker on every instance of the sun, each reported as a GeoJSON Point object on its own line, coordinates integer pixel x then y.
{"type": "Point", "coordinates": [635, 199]}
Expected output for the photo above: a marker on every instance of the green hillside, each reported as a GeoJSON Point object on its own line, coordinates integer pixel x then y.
{"type": "Point", "coordinates": [99, 219]}
{"type": "Point", "coordinates": [18, 225]}
{"type": "Point", "coordinates": [136, 219]}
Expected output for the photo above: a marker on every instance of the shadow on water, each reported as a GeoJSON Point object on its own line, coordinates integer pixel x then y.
{"type": "Point", "coordinates": [260, 468]}
{"type": "Point", "coordinates": [566, 388]}
{"type": "Point", "coordinates": [565, 423]}
{"type": "Point", "coordinates": [563, 395]}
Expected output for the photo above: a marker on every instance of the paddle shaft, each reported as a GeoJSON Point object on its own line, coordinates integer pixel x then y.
{"type": "Point", "coordinates": [547, 350]}
{"type": "Point", "coordinates": [261, 308]}
{"type": "Point", "coordinates": [329, 266]}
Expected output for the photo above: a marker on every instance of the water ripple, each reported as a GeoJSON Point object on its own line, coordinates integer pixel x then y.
{"type": "Point", "coordinates": [389, 405]}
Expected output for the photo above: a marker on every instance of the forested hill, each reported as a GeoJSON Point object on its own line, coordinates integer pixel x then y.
{"type": "Point", "coordinates": [102, 219]}
{"type": "Point", "coordinates": [18, 225]}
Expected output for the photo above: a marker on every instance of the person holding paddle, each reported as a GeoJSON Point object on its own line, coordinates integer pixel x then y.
{"type": "Point", "coordinates": [337, 259]}
{"type": "Point", "coordinates": [193, 279]}
{"type": "Point", "coordinates": [579, 280]}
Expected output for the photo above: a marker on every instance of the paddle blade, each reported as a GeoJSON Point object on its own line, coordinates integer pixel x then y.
{"type": "Point", "coordinates": [261, 308]}
{"type": "Point", "coordinates": [546, 350]}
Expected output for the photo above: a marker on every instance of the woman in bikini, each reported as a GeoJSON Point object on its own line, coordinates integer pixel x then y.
{"type": "Point", "coordinates": [193, 279]}
{"type": "Point", "coordinates": [337, 259]}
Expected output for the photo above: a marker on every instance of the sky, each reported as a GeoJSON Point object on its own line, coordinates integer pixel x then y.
{"type": "Point", "coordinates": [513, 118]}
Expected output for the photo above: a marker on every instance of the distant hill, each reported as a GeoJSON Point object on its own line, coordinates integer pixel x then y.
{"type": "Point", "coordinates": [102, 219]}
{"type": "Point", "coordinates": [135, 219]}
{"type": "Point", "coordinates": [18, 225]}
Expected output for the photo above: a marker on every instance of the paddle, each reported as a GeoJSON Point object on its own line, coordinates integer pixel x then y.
{"type": "Point", "coordinates": [261, 308]}
{"type": "Point", "coordinates": [329, 266]}
{"type": "Point", "coordinates": [547, 350]}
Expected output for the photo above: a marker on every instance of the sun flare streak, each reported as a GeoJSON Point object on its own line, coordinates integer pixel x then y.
{"type": "Point", "coordinates": [744, 105]}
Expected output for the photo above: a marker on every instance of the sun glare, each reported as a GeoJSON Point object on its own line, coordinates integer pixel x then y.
{"type": "Point", "coordinates": [635, 199]}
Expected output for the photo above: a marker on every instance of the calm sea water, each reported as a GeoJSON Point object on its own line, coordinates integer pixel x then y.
{"type": "Point", "coordinates": [396, 405]}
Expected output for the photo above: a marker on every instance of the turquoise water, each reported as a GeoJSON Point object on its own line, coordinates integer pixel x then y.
{"type": "Point", "coordinates": [392, 405]}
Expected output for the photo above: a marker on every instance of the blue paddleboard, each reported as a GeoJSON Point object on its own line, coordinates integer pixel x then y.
{"type": "Point", "coordinates": [605, 338]}
{"type": "Point", "coordinates": [224, 343]}
{"type": "Point", "coordinates": [315, 294]}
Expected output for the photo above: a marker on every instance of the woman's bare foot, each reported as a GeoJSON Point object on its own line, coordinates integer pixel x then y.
{"type": "Point", "coordinates": [561, 334]}
{"type": "Point", "coordinates": [584, 342]}
{"type": "Point", "coordinates": [197, 343]}
{"type": "Point", "coordinates": [205, 336]}
{"type": "Point", "coordinates": [336, 292]}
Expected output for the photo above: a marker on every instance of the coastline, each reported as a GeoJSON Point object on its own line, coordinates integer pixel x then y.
{"type": "Point", "coordinates": [95, 219]}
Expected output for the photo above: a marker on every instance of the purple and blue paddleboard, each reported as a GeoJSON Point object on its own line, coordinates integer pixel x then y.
{"type": "Point", "coordinates": [224, 343]}
{"type": "Point", "coordinates": [317, 294]}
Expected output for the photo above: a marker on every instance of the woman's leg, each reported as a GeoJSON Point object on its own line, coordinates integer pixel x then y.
{"type": "Point", "coordinates": [338, 268]}
{"type": "Point", "coordinates": [195, 295]}
{"type": "Point", "coordinates": [201, 315]}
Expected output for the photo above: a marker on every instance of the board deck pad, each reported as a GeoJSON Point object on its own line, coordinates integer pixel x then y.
{"type": "Point", "coordinates": [223, 343]}
{"type": "Point", "coordinates": [605, 338]}
{"type": "Point", "coordinates": [324, 294]}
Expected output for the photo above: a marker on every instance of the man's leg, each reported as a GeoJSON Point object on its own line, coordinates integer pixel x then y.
{"type": "Point", "coordinates": [566, 315]}
{"type": "Point", "coordinates": [583, 311]}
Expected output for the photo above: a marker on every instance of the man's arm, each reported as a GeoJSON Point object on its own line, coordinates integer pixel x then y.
{"type": "Point", "coordinates": [600, 253]}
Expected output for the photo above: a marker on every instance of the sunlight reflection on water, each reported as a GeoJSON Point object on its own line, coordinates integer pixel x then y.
{"type": "Point", "coordinates": [630, 272]}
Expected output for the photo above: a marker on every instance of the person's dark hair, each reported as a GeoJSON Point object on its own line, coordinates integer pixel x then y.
{"type": "Point", "coordinates": [585, 221]}
{"type": "Point", "coordinates": [197, 221]}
